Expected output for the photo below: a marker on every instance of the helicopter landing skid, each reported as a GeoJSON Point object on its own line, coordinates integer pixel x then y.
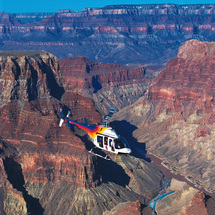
{"type": "Point", "coordinates": [98, 155]}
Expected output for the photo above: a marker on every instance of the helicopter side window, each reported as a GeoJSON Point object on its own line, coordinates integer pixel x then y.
{"type": "Point", "coordinates": [106, 141]}
{"type": "Point", "coordinates": [111, 145]}
{"type": "Point", "coordinates": [100, 140]}
{"type": "Point", "coordinates": [119, 144]}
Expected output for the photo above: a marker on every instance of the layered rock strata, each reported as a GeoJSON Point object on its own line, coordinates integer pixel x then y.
{"type": "Point", "coordinates": [116, 34]}
{"type": "Point", "coordinates": [109, 85]}
{"type": "Point", "coordinates": [175, 119]}
{"type": "Point", "coordinates": [184, 200]}
{"type": "Point", "coordinates": [56, 165]}
{"type": "Point", "coordinates": [11, 200]}
{"type": "Point", "coordinates": [49, 167]}
{"type": "Point", "coordinates": [29, 75]}
{"type": "Point", "coordinates": [128, 208]}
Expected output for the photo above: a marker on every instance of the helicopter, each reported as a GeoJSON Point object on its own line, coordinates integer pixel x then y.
{"type": "Point", "coordinates": [102, 136]}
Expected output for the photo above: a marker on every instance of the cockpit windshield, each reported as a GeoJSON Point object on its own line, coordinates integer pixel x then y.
{"type": "Point", "coordinates": [119, 143]}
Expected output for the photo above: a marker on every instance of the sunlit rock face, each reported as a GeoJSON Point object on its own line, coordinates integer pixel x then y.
{"type": "Point", "coordinates": [29, 75]}
{"type": "Point", "coordinates": [183, 200]}
{"type": "Point", "coordinates": [189, 77]}
{"type": "Point", "coordinates": [46, 168]}
{"type": "Point", "coordinates": [113, 34]}
{"type": "Point", "coordinates": [128, 208]}
{"type": "Point", "coordinates": [175, 118]}
{"type": "Point", "coordinates": [81, 73]}
{"type": "Point", "coordinates": [109, 85]}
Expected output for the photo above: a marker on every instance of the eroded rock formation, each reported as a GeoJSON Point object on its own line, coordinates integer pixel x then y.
{"type": "Point", "coordinates": [175, 119]}
{"type": "Point", "coordinates": [109, 85]}
{"type": "Point", "coordinates": [11, 200]}
{"type": "Point", "coordinates": [185, 200]}
{"type": "Point", "coordinates": [113, 34]}
{"type": "Point", "coordinates": [29, 75]}
{"type": "Point", "coordinates": [49, 167]}
{"type": "Point", "coordinates": [126, 208]}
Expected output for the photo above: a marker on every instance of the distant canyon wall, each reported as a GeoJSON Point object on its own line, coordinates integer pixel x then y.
{"type": "Point", "coordinates": [113, 34]}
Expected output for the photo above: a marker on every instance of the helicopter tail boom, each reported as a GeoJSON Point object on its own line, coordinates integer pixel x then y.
{"type": "Point", "coordinates": [71, 122]}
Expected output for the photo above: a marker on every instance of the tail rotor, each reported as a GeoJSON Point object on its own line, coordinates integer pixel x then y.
{"type": "Point", "coordinates": [63, 118]}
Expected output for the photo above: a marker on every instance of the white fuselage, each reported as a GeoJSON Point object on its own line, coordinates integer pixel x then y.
{"type": "Point", "coordinates": [110, 141]}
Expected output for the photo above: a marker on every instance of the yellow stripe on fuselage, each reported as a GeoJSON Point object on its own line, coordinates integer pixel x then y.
{"type": "Point", "coordinates": [91, 132]}
{"type": "Point", "coordinates": [98, 130]}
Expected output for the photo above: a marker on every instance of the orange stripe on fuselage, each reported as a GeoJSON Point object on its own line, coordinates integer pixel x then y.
{"type": "Point", "coordinates": [98, 129]}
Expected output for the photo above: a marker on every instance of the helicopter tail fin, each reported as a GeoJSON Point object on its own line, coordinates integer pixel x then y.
{"type": "Point", "coordinates": [61, 113]}
{"type": "Point", "coordinates": [85, 121]}
{"type": "Point", "coordinates": [62, 117]}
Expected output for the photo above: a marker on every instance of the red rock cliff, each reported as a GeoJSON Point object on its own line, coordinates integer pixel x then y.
{"type": "Point", "coordinates": [81, 73]}
{"type": "Point", "coordinates": [46, 153]}
{"type": "Point", "coordinates": [175, 118]}
{"type": "Point", "coordinates": [29, 75]}
{"type": "Point", "coordinates": [188, 78]}
{"type": "Point", "coordinates": [46, 163]}
{"type": "Point", "coordinates": [117, 34]}
{"type": "Point", "coordinates": [110, 85]}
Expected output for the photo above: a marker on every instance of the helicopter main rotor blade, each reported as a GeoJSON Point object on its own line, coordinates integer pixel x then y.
{"type": "Point", "coordinates": [111, 112]}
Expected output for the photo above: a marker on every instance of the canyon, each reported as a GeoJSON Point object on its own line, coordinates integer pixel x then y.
{"type": "Point", "coordinates": [47, 169]}
{"type": "Point", "coordinates": [109, 85]}
{"type": "Point", "coordinates": [182, 91]}
{"type": "Point", "coordinates": [148, 34]}
{"type": "Point", "coordinates": [174, 120]}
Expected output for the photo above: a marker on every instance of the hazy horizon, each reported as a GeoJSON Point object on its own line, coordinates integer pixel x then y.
{"type": "Point", "coordinates": [24, 6]}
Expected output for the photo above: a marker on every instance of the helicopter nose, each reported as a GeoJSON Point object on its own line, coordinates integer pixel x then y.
{"type": "Point", "coordinates": [129, 151]}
